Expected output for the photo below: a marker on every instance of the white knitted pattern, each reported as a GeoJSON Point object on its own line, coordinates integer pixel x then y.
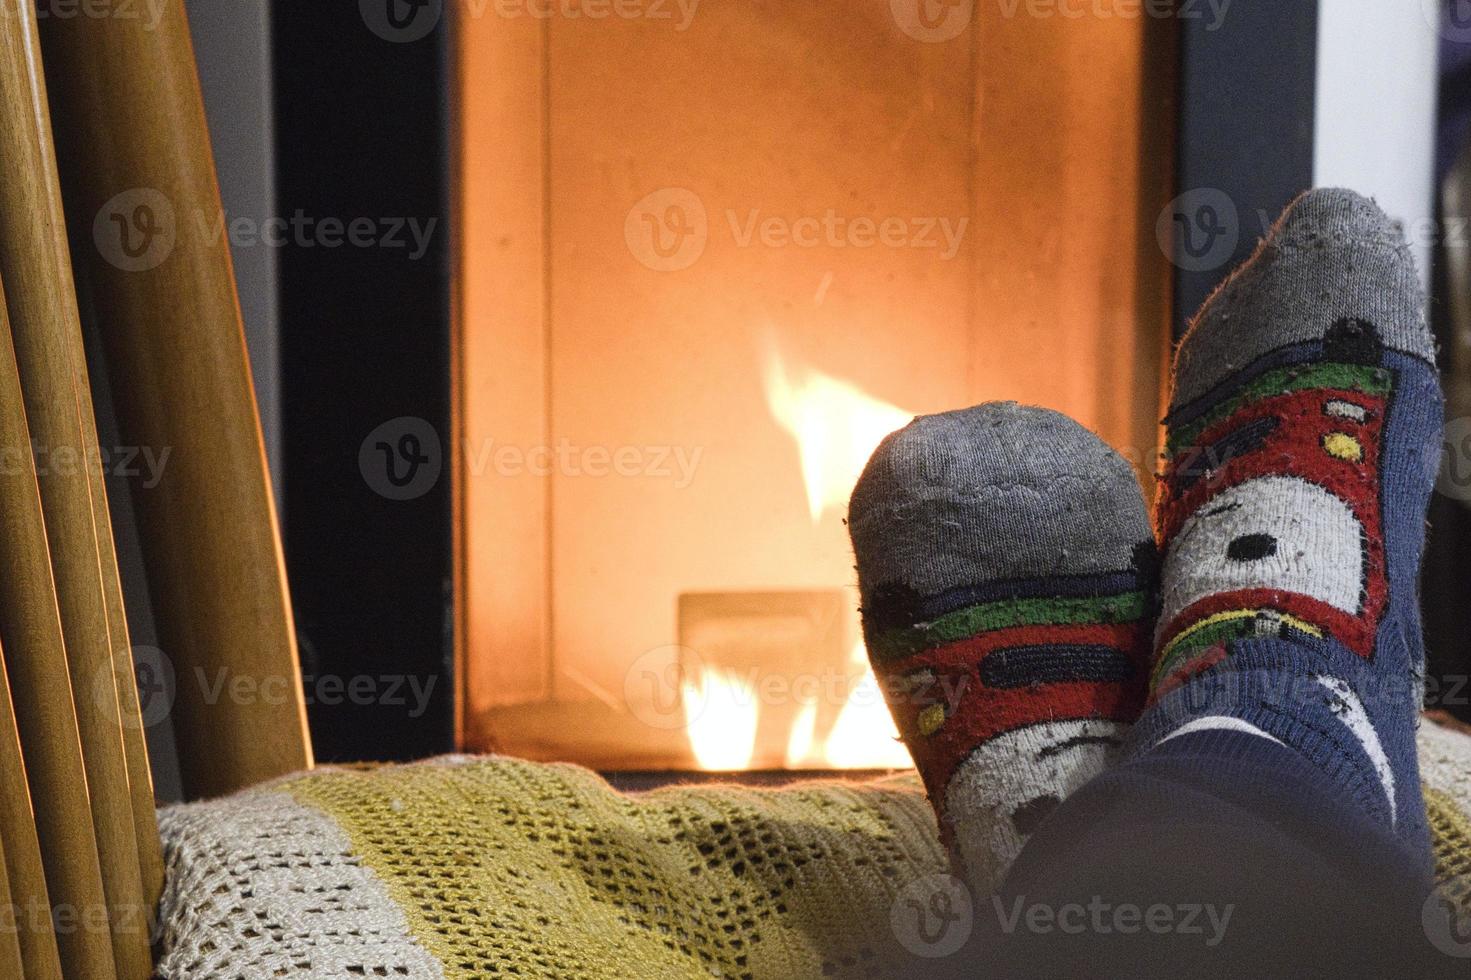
{"type": "Point", "coordinates": [1012, 771]}
{"type": "Point", "coordinates": [261, 886]}
{"type": "Point", "coordinates": [1445, 762]}
{"type": "Point", "coordinates": [1321, 558]}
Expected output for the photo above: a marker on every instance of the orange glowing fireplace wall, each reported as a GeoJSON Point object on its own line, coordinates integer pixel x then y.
{"type": "Point", "coordinates": [705, 262]}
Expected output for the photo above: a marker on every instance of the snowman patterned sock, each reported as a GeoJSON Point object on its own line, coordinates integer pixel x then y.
{"type": "Point", "coordinates": [1303, 439]}
{"type": "Point", "coordinates": [1005, 564]}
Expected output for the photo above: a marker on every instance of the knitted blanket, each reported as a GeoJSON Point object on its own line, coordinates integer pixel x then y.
{"type": "Point", "coordinates": [494, 867]}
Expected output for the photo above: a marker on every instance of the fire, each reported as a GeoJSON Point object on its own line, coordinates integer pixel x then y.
{"type": "Point", "coordinates": [721, 714]}
{"type": "Point", "coordinates": [802, 736]}
{"type": "Point", "coordinates": [836, 426]}
{"type": "Point", "coordinates": [864, 736]}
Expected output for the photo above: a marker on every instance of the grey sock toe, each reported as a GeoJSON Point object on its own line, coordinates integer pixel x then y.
{"type": "Point", "coordinates": [1332, 255]}
{"type": "Point", "coordinates": [995, 492]}
{"type": "Point", "coordinates": [1001, 557]}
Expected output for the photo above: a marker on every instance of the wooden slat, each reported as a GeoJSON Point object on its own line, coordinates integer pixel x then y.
{"type": "Point", "coordinates": [41, 684]}
{"type": "Point", "coordinates": [41, 301]}
{"type": "Point", "coordinates": [11, 964]}
{"type": "Point", "coordinates": [129, 134]}
{"type": "Point", "coordinates": [25, 875]}
{"type": "Point", "coordinates": [135, 744]}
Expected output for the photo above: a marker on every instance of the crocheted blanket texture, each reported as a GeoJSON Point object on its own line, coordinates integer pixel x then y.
{"type": "Point", "coordinates": [495, 867]}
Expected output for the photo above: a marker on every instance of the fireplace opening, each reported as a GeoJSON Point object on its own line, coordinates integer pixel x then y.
{"type": "Point", "coordinates": [702, 272]}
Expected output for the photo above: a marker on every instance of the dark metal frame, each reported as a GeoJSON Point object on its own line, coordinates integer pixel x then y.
{"type": "Point", "coordinates": [362, 132]}
{"type": "Point", "coordinates": [1245, 128]}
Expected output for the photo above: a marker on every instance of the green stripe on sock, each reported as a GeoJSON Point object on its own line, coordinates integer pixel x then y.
{"type": "Point", "coordinates": [1223, 632]}
{"type": "Point", "coordinates": [1282, 381]}
{"type": "Point", "coordinates": [987, 616]}
{"type": "Point", "coordinates": [1206, 636]}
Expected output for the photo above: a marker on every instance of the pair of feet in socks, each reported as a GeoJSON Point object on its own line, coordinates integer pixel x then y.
{"type": "Point", "coordinates": [1032, 630]}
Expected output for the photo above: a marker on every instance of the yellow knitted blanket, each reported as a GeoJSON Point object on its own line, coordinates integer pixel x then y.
{"type": "Point", "coordinates": [500, 868]}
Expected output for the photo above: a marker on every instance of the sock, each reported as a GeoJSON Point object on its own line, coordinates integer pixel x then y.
{"type": "Point", "coordinates": [1303, 440]}
{"type": "Point", "coordinates": [1005, 563]}
{"type": "Point", "coordinates": [1261, 863]}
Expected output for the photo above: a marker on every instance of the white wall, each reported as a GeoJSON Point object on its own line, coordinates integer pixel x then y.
{"type": "Point", "coordinates": [1376, 94]}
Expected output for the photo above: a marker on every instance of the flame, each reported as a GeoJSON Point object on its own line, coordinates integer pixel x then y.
{"type": "Point", "coordinates": [800, 740]}
{"type": "Point", "coordinates": [721, 714]}
{"type": "Point", "coordinates": [836, 426]}
{"type": "Point", "coordinates": [865, 736]}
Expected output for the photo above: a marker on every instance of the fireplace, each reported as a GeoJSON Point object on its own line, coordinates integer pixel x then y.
{"type": "Point", "coordinates": [706, 261]}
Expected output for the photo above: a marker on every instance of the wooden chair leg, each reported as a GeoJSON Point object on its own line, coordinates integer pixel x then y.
{"type": "Point", "coordinates": [170, 325]}
{"type": "Point", "coordinates": [25, 875]}
{"type": "Point", "coordinates": [46, 330]}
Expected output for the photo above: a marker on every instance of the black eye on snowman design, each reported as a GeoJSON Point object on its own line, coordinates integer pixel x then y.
{"type": "Point", "coordinates": [1252, 547]}
{"type": "Point", "coordinates": [1250, 536]}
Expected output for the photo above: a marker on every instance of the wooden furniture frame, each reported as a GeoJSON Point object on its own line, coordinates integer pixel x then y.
{"type": "Point", "coordinates": [128, 162]}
